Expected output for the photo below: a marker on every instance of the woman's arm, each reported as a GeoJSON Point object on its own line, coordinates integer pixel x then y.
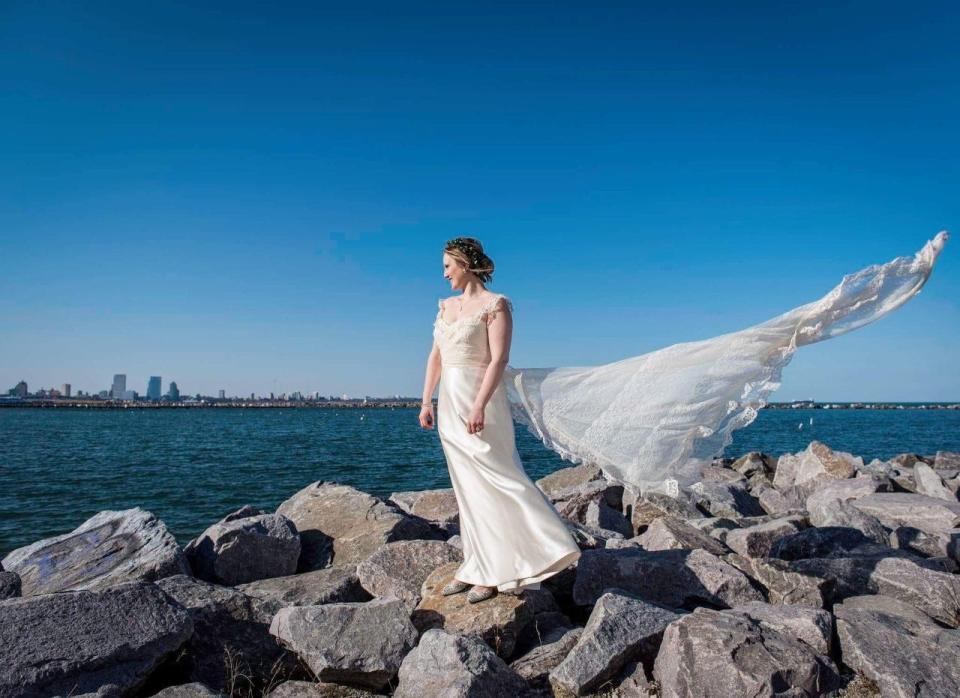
{"type": "Point", "coordinates": [499, 333]}
{"type": "Point", "coordinates": [434, 367]}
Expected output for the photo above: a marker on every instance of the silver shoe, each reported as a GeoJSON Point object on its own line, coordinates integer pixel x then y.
{"type": "Point", "coordinates": [476, 596]}
{"type": "Point", "coordinates": [454, 587]}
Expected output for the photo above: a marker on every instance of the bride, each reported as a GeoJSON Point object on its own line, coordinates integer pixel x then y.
{"type": "Point", "coordinates": [651, 422]}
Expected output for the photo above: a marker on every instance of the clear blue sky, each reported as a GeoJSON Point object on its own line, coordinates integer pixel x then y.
{"type": "Point", "coordinates": [254, 197]}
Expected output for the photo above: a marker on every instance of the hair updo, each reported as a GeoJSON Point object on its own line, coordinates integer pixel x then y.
{"type": "Point", "coordinates": [469, 252]}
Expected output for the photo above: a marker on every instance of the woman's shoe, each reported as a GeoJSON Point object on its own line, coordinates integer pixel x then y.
{"type": "Point", "coordinates": [475, 596]}
{"type": "Point", "coordinates": [454, 587]}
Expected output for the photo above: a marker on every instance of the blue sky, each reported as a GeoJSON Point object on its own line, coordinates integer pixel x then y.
{"type": "Point", "coordinates": [253, 197]}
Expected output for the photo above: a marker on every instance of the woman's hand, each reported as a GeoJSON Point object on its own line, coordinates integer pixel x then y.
{"type": "Point", "coordinates": [475, 420]}
{"type": "Point", "coordinates": [426, 416]}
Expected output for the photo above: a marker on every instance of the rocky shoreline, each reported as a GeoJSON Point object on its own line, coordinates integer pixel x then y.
{"type": "Point", "coordinates": [810, 574]}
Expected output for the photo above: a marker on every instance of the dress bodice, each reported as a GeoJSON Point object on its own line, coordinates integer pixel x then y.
{"type": "Point", "coordinates": [464, 342]}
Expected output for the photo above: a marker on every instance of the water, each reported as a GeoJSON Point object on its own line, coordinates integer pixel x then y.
{"type": "Point", "coordinates": [191, 467]}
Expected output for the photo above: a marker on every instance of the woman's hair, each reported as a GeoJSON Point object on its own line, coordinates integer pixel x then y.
{"type": "Point", "coordinates": [469, 252]}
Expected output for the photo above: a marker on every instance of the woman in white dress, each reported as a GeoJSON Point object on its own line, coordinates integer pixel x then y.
{"type": "Point", "coordinates": [512, 536]}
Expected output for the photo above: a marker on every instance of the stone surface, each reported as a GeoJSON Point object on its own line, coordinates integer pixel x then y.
{"type": "Point", "coordinates": [777, 502]}
{"type": "Point", "coordinates": [931, 484]}
{"type": "Point", "coordinates": [497, 620]}
{"type": "Point", "coordinates": [708, 653]}
{"type": "Point", "coordinates": [826, 541]}
{"type": "Point", "coordinates": [106, 549]}
{"type": "Point", "coordinates": [946, 460]}
{"type": "Point", "coordinates": [895, 509]}
{"type": "Point", "coordinates": [329, 585]}
{"type": "Point", "coordinates": [816, 464]}
{"type": "Point", "coordinates": [450, 665]}
{"type": "Point", "coordinates": [78, 641]}
{"type": "Point", "coordinates": [535, 666]}
{"type": "Point", "coordinates": [10, 586]}
{"type": "Point", "coordinates": [903, 652]}
{"type": "Point", "coordinates": [342, 526]}
{"type": "Point", "coordinates": [722, 499]}
{"type": "Point", "coordinates": [355, 643]}
{"type": "Point", "coordinates": [669, 533]}
{"type": "Point", "coordinates": [439, 507]}
{"type": "Point", "coordinates": [621, 628]}
{"type": "Point", "coordinates": [241, 548]}
{"type": "Point", "coordinates": [652, 505]}
{"type": "Point", "coordinates": [565, 478]}
{"type": "Point", "coordinates": [230, 636]}
{"type": "Point", "coordinates": [597, 503]}
{"type": "Point", "coordinates": [756, 541]}
{"type": "Point", "coordinates": [813, 626]}
{"type": "Point", "coordinates": [318, 689]}
{"type": "Point", "coordinates": [782, 583]}
{"type": "Point", "coordinates": [754, 462]}
{"type": "Point", "coordinates": [399, 569]}
{"type": "Point", "coordinates": [674, 578]}
{"type": "Point", "coordinates": [188, 690]}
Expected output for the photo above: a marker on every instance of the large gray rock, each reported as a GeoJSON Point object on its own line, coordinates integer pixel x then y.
{"type": "Point", "coordinates": [845, 515]}
{"type": "Point", "coordinates": [78, 641]}
{"type": "Point", "coordinates": [895, 509]}
{"type": "Point", "coordinates": [106, 549]}
{"type": "Point", "coordinates": [817, 463]}
{"type": "Point", "coordinates": [597, 503]}
{"type": "Point", "coordinates": [645, 508]}
{"type": "Point", "coordinates": [450, 665]}
{"type": "Point", "coordinates": [947, 460]}
{"type": "Point", "coordinates": [826, 541]}
{"type": "Point", "coordinates": [711, 653]}
{"type": "Point", "coordinates": [565, 478]}
{"type": "Point", "coordinates": [329, 585]}
{"type": "Point", "coordinates": [756, 541]}
{"type": "Point", "coordinates": [318, 689]}
{"type": "Point", "coordinates": [783, 584]}
{"type": "Point", "coordinates": [942, 543]}
{"type": "Point", "coordinates": [754, 462]}
{"type": "Point", "coordinates": [813, 626]}
{"type": "Point", "coordinates": [671, 533]}
{"type": "Point", "coordinates": [723, 499]}
{"type": "Point", "coordinates": [189, 690]}
{"type": "Point", "coordinates": [674, 578]}
{"type": "Point", "coordinates": [621, 629]}
{"type": "Point", "coordinates": [9, 585]}
{"type": "Point", "coordinates": [230, 636]}
{"type": "Point", "coordinates": [399, 569]}
{"type": "Point", "coordinates": [931, 484]}
{"type": "Point", "coordinates": [535, 666]}
{"type": "Point", "coordinates": [905, 653]}
{"type": "Point", "coordinates": [241, 548]}
{"type": "Point", "coordinates": [342, 526]}
{"type": "Point", "coordinates": [439, 507]}
{"type": "Point", "coordinates": [779, 502]}
{"type": "Point", "coordinates": [358, 644]}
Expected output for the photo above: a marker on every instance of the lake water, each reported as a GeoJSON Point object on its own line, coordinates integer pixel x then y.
{"type": "Point", "coordinates": [191, 467]}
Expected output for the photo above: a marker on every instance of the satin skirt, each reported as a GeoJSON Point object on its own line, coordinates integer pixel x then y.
{"type": "Point", "coordinates": [512, 536]}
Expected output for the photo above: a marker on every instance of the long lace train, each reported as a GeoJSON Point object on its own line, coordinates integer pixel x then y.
{"type": "Point", "coordinates": [660, 416]}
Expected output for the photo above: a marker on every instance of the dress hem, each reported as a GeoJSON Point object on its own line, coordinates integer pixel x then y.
{"type": "Point", "coordinates": [557, 566]}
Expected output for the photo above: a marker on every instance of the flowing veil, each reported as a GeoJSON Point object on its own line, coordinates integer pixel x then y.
{"type": "Point", "coordinates": [659, 417]}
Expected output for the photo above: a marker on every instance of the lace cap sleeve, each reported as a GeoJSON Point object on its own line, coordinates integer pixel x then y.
{"type": "Point", "coordinates": [499, 303]}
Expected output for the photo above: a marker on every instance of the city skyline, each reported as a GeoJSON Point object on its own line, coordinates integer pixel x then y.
{"type": "Point", "coordinates": [268, 214]}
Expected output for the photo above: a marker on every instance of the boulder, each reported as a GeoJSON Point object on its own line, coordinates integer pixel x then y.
{"type": "Point", "coordinates": [106, 549]}
{"type": "Point", "coordinates": [497, 620]}
{"type": "Point", "coordinates": [671, 533]}
{"type": "Point", "coordinates": [399, 569]}
{"type": "Point", "coordinates": [455, 666]}
{"type": "Point", "coordinates": [589, 537]}
{"type": "Point", "coordinates": [845, 515]}
{"type": "Point", "coordinates": [439, 507]}
{"type": "Point", "coordinates": [825, 541]}
{"type": "Point", "coordinates": [646, 507]}
{"type": "Point", "coordinates": [355, 643]}
{"type": "Point", "coordinates": [931, 484]}
{"type": "Point", "coordinates": [708, 652]}
{"type": "Point", "coordinates": [230, 636]}
{"type": "Point", "coordinates": [895, 509]}
{"type": "Point", "coordinates": [898, 648]}
{"type": "Point", "coordinates": [673, 578]}
{"type": "Point", "coordinates": [189, 690]}
{"type": "Point", "coordinates": [714, 526]}
{"type": "Point", "coordinates": [779, 503]}
{"type": "Point", "coordinates": [565, 478]}
{"type": "Point", "coordinates": [946, 460]}
{"type": "Point", "coordinates": [816, 464]}
{"type": "Point", "coordinates": [621, 628]}
{"type": "Point", "coordinates": [535, 665]}
{"type": "Point", "coordinates": [941, 543]}
{"type": "Point", "coordinates": [241, 548]}
{"type": "Point", "coordinates": [329, 585]}
{"type": "Point", "coordinates": [729, 500]}
{"type": "Point", "coordinates": [342, 526]}
{"type": "Point", "coordinates": [783, 584]}
{"type": "Point", "coordinates": [318, 689]}
{"type": "Point", "coordinates": [76, 642]}
{"type": "Point", "coordinates": [754, 462]}
{"type": "Point", "coordinates": [756, 541]}
{"type": "Point", "coordinates": [813, 626]}
{"type": "Point", "coordinates": [597, 504]}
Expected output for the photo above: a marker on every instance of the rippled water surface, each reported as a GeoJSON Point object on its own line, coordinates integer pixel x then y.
{"type": "Point", "coordinates": [191, 467]}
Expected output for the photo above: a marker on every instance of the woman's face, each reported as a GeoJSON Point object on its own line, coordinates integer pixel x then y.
{"type": "Point", "coordinates": [454, 272]}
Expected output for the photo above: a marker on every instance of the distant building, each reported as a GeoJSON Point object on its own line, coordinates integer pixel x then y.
{"type": "Point", "coordinates": [20, 389]}
{"type": "Point", "coordinates": [119, 386]}
{"type": "Point", "coordinates": [174, 392]}
{"type": "Point", "coordinates": [223, 394]}
{"type": "Point", "coordinates": [153, 388]}
{"type": "Point", "coordinates": [104, 394]}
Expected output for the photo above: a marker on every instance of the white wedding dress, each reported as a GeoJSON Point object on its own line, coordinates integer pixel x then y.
{"type": "Point", "coordinates": [652, 421]}
{"type": "Point", "coordinates": [512, 536]}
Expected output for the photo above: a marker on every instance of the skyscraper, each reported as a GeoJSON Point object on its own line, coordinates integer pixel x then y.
{"type": "Point", "coordinates": [174, 392]}
{"type": "Point", "coordinates": [154, 388]}
{"type": "Point", "coordinates": [65, 390]}
{"type": "Point", "coordinates": [223, 394]}
{"type": "Point", "coordinates": [119, 386]}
